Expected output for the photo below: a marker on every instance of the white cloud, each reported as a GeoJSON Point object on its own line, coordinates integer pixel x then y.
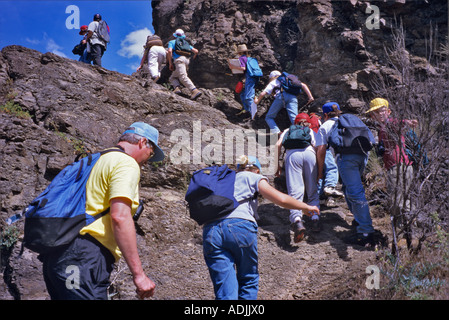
{"type": "Point", "coordinates": [49, 43]}
{"type": "Point", "coordinates": [133, 43]}
{"type": "Point", "coordinates": [32, 41]}
{"type": "Point", "coordinates": [53, 47]}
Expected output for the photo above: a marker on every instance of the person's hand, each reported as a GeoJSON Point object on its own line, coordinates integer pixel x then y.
{"type": "Point", "coordinates": [144, 286]}
{"type": "Point", "coordinates": [311, 211]}
{"type": "Point", "coordinates": [138, 68]}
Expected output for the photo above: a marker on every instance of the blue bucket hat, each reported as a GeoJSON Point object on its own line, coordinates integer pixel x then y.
{"type": "Point", "coordinates": [328, 107]}
{"type": "Point", "coordinates": [150, 133]}
{"type": "Point", "coordinates": [252, 161]}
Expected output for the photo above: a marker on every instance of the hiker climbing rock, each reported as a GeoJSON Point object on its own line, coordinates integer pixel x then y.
{"type": "Point", "coordinates": [111, 191]}
{"type": "Point", "coordinates": [252, 73]}
{"type": "Point", "coordinates": [351, 159]}
{"type": "Point", "coordinates": [300, 171]}
{"type": "Point", "coordinates": [97, 39]}
{"type": "Point", "coordinates": [178, 56]}
{"type": "Point", "coordinates": [81, 48]}
{"type": "Point", "coordinates": [327, 186]}
{"type": "Point", "coordinates": [230, 242]}
{"type": "Point", "coordinates": [285, 89]}
{"type": "Point", "coordinates": [395, 158]}
{"type": "Point", "coordinates": [155, 55]}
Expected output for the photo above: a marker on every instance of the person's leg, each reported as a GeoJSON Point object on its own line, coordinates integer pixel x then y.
{"type": "Point", "coordinates": [294, 179]}
{"type": "Point", "coordinates": [270, 117]}
{"type": "Point", "coordinates": [80, 271]}
{"type": "Point", "coordinates": [248, 93]}
{"type": "Point", "coordinates": [241, 240]}
{"type": "Point", "coordinates": [350, 168]}
{"type": "Point", "coordinates": [219, 261]}
{"type": "Point", "coordinates": [182, 64]}
{"type": "Point", "coordinates": [96, 53]}
{"type": "Point", "coordinates": [291, 106]}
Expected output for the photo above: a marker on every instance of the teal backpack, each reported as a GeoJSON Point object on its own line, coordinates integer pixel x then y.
{"type": "Point", "coordinates": [297, 137]}
{"type": "Point", "coordinates": [252, 68]}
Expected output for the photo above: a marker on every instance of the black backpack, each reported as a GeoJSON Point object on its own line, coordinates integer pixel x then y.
{"type": "Point", "coordinates": [297, 137]}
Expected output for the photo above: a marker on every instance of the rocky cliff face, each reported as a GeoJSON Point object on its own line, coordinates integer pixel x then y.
{"type": "Point", "coordinates": [72, 107]}
{"type": "Point", "coordinates": [332, 45]}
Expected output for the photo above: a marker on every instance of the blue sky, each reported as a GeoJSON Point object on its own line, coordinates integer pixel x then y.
{"type": "Point", "coordinates": [53, 26]}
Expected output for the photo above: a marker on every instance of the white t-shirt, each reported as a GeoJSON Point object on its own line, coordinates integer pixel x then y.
{"type": "Point", "coordinates": [323, 133]}
{"type": "Point", "coordinates": [93, 26]}
{"type": "Point", "coordinates": [273, 85]}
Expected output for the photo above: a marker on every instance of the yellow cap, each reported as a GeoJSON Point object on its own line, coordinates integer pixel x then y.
{"type": "Point", "coordinates": [377, 104]}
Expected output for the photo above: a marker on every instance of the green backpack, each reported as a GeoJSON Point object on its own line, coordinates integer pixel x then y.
{"type": "Point", "coordinates": [182, 47]}
{"type": "Point", "coordinates": [297, 137]}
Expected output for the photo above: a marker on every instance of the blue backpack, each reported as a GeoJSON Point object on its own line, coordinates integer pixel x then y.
{"type": "Point", "coordinates": [252, 68]}
{"type": "Point", "coordinates": [350, 135]}
{"type": "Point", "coordinates": [211, 193]}
{"type": "Point", "coordinates": [55, 217]}
{"type": "Point", "coordinates": [290, 83]}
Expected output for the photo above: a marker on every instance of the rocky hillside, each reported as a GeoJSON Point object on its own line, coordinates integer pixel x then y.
{"type": "Point", "coordinates": [57, 108]}
{"type": "Point", "coordinates": [329, 44]}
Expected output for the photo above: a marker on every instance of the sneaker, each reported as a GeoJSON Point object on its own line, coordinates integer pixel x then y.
{"type": "Point", "coordinates": [299, 231]}
{"type": "Point", "coordinates": [331, 191]}
{"type": "Point", "coordinates": [195, 94]}
{"type": "Point", "coordinates": [177, 90]}
{"type": "Point", "coordinates": [330, 203]}
{"type": "Point", "coordinates": [361, 240]}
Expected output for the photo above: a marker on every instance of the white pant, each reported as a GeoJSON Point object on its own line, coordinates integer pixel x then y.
{"type": "Point", "coordinates": [156, 61]}
{"type": "Point", "coordinates": [180, 76]}
{"type": "Point", "coordinates": [301, 173]}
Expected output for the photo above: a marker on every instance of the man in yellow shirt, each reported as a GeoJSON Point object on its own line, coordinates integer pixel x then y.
{"type": "Point", "coordinates": [82, 269]}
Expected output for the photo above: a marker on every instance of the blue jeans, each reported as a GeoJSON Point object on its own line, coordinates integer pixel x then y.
{"type": "Point", "coordinates": [290, 102]}
{"type": "Point", "coordinates": [85, 57]}
{"type": "Point", "coordinates": [228, 243]}
{"type": "Point", "coordinates": [330, 172]}
{"type": "Point", "coordinates": [249, 92]}
{"type": "Point", "coordinates": [350, 168]}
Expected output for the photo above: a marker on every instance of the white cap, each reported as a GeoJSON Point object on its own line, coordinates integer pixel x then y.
{"type": "Point", "coordinates": [274, 74]}
{"type": "Point", "coordinates": [179, 33]}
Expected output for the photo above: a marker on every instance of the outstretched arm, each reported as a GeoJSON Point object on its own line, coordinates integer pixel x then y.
{"type": "Point", "coordinates": [284, 200]}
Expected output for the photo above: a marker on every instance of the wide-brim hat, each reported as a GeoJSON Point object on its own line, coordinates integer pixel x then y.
{"type": "Point", "coordinates": [145, 130]}
{"type": "Point", "coordinates": [242, 48]}
{"type": "Point", "coordinates": [377, 104]}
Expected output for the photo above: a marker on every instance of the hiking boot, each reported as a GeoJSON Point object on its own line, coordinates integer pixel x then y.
{"type": "Point", "coordinates": [331, 191]}
{"type": "Point", "coordinates": [299, 231]}
{"type": "Point", "coordinates": [177, 90]}
{"type": "Point", "coordinates": [361, 240]}
{"type": "Point", "coordinates": [195, 94]}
